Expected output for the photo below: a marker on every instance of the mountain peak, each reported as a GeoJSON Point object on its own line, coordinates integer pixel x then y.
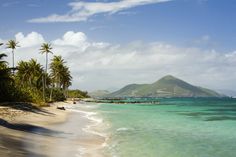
{"type": "Point", "coordinates": [167, 86]}
{"type": "Point", "coordinates": [168, 77]}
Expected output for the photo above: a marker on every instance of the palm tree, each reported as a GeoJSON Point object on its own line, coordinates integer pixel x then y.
{"type": "Point", "coordinates": [66, 78]}
{"type": "Point", "coordinates": [29, 73]}
{"type": "Point", "coordinates": [56, 67]}
{"type": "Point", "coordinates": [2, 62]}
{"type": "Point", "coordinates": [12, 44]}
{"type": "Point", "coordinates": [45, 48]}
{"type": "Point", "coordinates": [23, 73]}
{"type": "Point", "coordinates": [5, 79]}
{"type": "Point", "coordinates": [60, 73]}
{"type": "Point", "coordinates": [4, 70]}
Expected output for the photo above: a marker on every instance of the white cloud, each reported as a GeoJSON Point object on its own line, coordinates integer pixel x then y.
{"type": "Point", "coordinates": [32, 39]}
{"type": "Point", "coordinates": [81, 11]}
{"type": "Point", "coordinates": [71, 38]}
{"type": "Point", "coordinates": [100, 65]}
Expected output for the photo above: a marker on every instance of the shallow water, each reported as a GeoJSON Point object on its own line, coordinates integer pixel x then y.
{"type": "Point", "coordinates": [180, 127]}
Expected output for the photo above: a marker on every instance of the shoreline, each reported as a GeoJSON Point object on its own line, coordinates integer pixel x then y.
{"type": "Point", "coordinates": [49, 132]}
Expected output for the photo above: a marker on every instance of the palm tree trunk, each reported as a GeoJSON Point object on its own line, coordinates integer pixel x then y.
{"type": "Point", "coordinates": [43, 89]}
{"type": "Point", "coordinates": [46, 70]}
{"type": "Point", "coordinates": [13, 60]}
{"type": "Point", "coordinates": [46, 67]}
{"type": "Point", "coordinates": [51, 92]}
{"type": "Point", "coordinates": [45, 78]}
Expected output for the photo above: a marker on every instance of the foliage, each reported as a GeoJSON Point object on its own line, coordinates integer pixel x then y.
{"type": "Point", "coordinates": [29, 74]}
{"type": "Point", "coordinates": [60, 73]}
{"type": "Point", "coordinates": [32, 83]}
{"type": "Point", "coordinates": [12, 44]}
{"type": "Point", "coordinates": [6, 81]}
{"type": "Point", "coordinates": [77, 94]}
{"type": "Point", "coordinates": [58, 94]}
{"type": "Point", "coordinates": [46, 48]}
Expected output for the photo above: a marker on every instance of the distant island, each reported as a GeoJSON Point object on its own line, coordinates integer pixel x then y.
{"type": "Point", "coordinates": [168, 86]}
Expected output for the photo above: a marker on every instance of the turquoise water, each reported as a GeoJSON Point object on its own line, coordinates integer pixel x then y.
{"type": "Point", "coordinates": [180, 127]}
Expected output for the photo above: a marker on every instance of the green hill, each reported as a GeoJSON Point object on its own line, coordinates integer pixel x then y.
{"type": "Point", "coordinates": [167, 86]}
{"type": "Point", "coordinates": [99, 93]}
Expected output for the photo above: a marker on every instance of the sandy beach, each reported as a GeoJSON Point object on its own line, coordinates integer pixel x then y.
{"type": "Point", "coordinates": [47, 132]}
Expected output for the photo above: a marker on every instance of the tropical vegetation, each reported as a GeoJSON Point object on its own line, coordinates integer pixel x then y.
{"type": "Point", "coordinates": [77, 94]}
{"type": "Point", "coordinates": [29, 81]}
{"type": "Point", "coordinates": [12, 44]}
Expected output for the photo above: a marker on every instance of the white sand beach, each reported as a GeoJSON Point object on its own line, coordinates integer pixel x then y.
{"type": "Point", "coordinates": [48, 132]}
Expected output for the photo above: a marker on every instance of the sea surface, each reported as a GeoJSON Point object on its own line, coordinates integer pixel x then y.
{"type": "Point", "coordinates": [174, 127]}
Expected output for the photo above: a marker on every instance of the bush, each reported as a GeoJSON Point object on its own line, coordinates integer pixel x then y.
{"type": "Point", "coordinates": [77, 94]}
{"type": "Point", "coordinates": [57, 94]}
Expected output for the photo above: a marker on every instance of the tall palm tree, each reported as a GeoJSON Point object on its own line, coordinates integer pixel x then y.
{"type": "Point", "coordinates": [45, 48]}
{"type": "Point", "coordinates": [12, 44]}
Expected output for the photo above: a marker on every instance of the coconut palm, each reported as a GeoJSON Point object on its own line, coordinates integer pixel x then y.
{"type": "Point", "coordinates": [4, 70]}
{"type": "Point", "coordinates": [56, 66]}
{"type": "Point", "coordinates": [60, 73]}
{"type": "Point", "coordinates": [29, 73]}
{"type": "Point", "coordinates": [45, 48]}
{"type": "Point", "coordinates": [2, 62]}
{"type": "Point", "coordinates": [12, 44]}
{"type": "Point", "coordinates": [23, 73]}
{"type": "Point", "coordinates": [66, 78]}
{"type": "Point", "coordinates": [5, 79]}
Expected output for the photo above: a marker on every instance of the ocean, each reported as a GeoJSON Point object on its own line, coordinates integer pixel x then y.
{"type": "Point", "coordinates": [174, 127]}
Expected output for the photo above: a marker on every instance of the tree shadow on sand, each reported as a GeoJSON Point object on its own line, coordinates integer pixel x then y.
{"type": "Point", "coordinates": [29, 128]}
{"type": "Point", "coordinates": [27, 107]}
{"type": "Point", "coordinates": [12, 146]}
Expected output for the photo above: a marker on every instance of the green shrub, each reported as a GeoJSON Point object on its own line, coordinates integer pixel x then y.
{"type": "Point", "coordinates": [57, 94]}
{"type": "Point", "coordinates": [77, 94]}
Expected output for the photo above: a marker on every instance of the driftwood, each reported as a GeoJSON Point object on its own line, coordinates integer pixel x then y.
{"type": "Point", "coordinates": [61, 108]}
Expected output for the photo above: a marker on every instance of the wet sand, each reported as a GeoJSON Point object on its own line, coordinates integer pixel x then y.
{"type": "Point", "coordinates": [47, 132]}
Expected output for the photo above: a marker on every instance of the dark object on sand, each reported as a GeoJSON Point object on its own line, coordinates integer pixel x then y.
{"type": "Point", "coordinates": [74, 102]}
{"type": "Point", "coordinates": [61, 108]}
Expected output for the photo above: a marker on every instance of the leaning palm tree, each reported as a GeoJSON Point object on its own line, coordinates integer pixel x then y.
{"type": "Point", "coordinates": [12, 44]}
{"type": "Point", "coordinates": [45, 48]}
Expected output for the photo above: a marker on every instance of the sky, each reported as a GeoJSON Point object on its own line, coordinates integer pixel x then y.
{"type": "Point", "coordinates": [111, 43]}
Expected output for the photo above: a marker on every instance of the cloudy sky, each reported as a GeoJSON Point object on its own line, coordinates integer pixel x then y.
{"type": "Point", "coordinates": [110, 43]}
